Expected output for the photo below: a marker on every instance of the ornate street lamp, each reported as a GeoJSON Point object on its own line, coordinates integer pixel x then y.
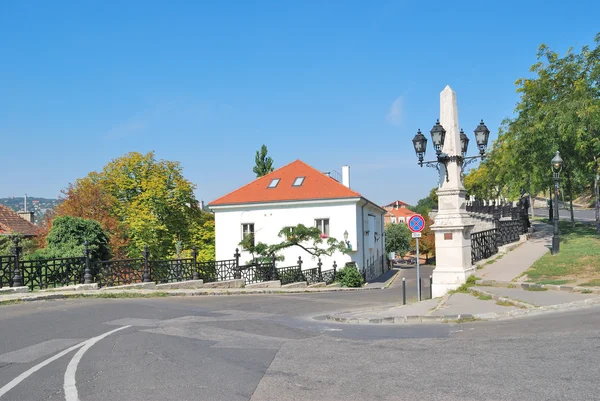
{"type": "Point", "coordinates": [557, 163]}
{"type": "Point", "coordinates": [438, 136]}
{"type": "Point", "coordinates": [464, 143]}
{"type": "Point", "coordinates": [420, 144]}
{"type": "Point", "coordinates": [482, 134]}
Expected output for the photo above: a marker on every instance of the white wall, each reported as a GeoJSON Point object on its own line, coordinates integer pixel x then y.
{"type": "Point", "coordinates": [268, 220]}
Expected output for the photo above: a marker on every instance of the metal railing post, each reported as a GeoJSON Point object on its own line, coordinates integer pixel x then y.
{"type": "Point", "coordinates": [273, 268]}
{"type": "Point", "coordinates": [237, 274]}
{"type": "Point", "coordinates": [195, 273]}
{"type": "Point", "coordinates": [16, 251]}
{"type": "Point", "coordinates": [403, 291]}
{"type": "Point", "coordinates": [319, 264]}
{"type": "Point", "coordinates": [146, 276]}
{"type": "Point", "coordinates": [88, 278]}
{"type": "Point", "coordinates": [334, 270]}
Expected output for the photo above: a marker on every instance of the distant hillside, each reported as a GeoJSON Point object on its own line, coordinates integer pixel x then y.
{"type": "Point", "coordinates": [38, 205]}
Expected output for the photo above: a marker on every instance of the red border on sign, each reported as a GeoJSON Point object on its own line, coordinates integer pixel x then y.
{"type": "Point", "coordinates": [416, 216]}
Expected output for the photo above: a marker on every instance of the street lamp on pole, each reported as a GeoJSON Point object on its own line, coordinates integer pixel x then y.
{"type": "Point", "coordinates": [557, 163]}
{"type": "Point", "coordinates": [438, 136]}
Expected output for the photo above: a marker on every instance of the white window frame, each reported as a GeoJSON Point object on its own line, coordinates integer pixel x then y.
{"type": "Point", "coordinates": [322, 226]}
{"type": "Point", "coordinates": [248, 229]}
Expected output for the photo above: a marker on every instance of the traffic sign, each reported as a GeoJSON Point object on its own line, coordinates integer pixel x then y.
{"type": "Point", "coordinates": [416, 235]}
{"type": "Point", "coordinates": [416, 223]}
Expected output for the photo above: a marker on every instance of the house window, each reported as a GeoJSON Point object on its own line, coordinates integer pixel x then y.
{"type": "Point", "coordinates": [394, 220]}
{"type": "Point", "coordinates": [248, 229]}
{"type": "Point", "coordinates": [273, 183]}
{"type": "Point", "coordinates": [298, 181]}
{"type": "Point", "coordinates": [323, 225]}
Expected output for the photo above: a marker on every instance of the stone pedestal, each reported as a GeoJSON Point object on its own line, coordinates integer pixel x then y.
{"type": "Point", "coordinates": [453, 225]}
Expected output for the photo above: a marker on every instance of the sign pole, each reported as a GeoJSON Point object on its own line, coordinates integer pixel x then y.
{"type": "Point", "coordinates": [418, 272]}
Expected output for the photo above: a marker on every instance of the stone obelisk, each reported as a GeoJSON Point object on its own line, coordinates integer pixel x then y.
{"type": "Point", "coordinates": [453, 225]}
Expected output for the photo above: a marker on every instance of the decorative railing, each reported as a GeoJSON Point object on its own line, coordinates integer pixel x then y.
{"type": "Point", "coordinates": [58, 272]}
{"type": "Point", "coordinates": [6, 271]}
{"type": "Point", "coordinates": [110, 273]}
{"type": "Point", "coordinates": [508, 231]}
{"type": "Point", "coordinates": [483, 245]}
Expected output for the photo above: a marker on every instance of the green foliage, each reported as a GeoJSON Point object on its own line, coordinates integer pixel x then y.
{"type": "Point", "coordinates": [263, 163]}
{"type": "Point", "coordinates": [559, 109]}
{"type": "Point", "coordinates": [579, 256]}
{"type": "Point", "coordinates": [397, 238]}
{"type": "Point", "coordinates": [67, 236]}
{"type": "Point", "coordinates": [349, 276]}
{"type": "Point", "coordinates": [6, 243]}
{"type": "Point", "coordinates": [307, 238]}
{"type": "Point", "coordinates": [427, 204]}
{"type": "Point", "coordinates": [465, 287]}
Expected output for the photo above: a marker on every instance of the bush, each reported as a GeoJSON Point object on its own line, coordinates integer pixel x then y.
{"type": "Point", "coordinates": [67, 236]}
{"type": "Point", "coordinates": [349, 276]}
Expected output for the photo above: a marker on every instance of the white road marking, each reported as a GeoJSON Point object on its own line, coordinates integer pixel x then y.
{"type": "Point", "coordinates": [34, 369]}
{"type": "Point", "coordinates": [14, 382]}
{"type": "Point", "coordinates": [70, 384]}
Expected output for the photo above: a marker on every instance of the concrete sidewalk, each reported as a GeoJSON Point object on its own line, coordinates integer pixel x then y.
{"type": "Point", "coordinates": [479, 303]}
{"type": "Point", "coordinates": [506, 267]}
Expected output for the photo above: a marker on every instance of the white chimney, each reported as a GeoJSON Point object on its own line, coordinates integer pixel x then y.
{"type": "Point", "coordinates": [346, 176]}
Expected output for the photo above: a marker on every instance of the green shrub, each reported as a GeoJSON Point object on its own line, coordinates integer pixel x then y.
{"type": "Point", "coordinates": [349, 276]}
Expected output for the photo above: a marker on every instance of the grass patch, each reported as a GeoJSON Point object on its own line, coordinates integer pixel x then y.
{"type": "Point", "coordinates": [586, 291]}
{"type": "Point", "coordinates": [465, 287]}
{"type": "Point", "coordinates": [592, 283]}
{"type": "Point", "coordinates": [504, 303]}
{"type": "Point", "coordinates": [536, 289]}
{"type": "Point", "coordinates": [552, 282]}
{"type": "Point", "coordinates": [579, 256]}
{"type": "Point", "coordinates": [467, 319]}
{"type": "Point", "coordinates": [484, 297]}
{"type": "Point", "coordinates": [11, 302]}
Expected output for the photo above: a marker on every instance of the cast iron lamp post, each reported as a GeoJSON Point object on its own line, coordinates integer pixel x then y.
{"type": "Point", "coordinates": [557, 163]}
{"type": "Point", "coordinates": [438, 135]}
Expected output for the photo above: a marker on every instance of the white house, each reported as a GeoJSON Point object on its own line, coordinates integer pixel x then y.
{"type": "Point", "coordinates": [299, 194]}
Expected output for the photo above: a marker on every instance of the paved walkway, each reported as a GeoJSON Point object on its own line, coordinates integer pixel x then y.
{"type": "Point", "coordinates": [518, 260]}
{"type": "Point", "coordinates": [495, 297]}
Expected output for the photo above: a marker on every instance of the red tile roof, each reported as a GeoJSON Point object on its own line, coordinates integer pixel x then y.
{"type": "Point", "coordinates": [400, 203]}
{"type": "Point", "coordinates": [401, 212]}
{"type": "Point", "coordinates": [12, 223]}
{"type": "Point", "coordinates": [316, 185]}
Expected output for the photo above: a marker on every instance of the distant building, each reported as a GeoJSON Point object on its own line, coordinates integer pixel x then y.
{"type": "Point", "coordinates": [12, 223]}
{"type": "Point", "coordinates": [397, 212]}
{"type": "Point", "coordinates": [299, 194]}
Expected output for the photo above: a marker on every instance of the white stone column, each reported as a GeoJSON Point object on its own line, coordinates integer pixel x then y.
{"type": "Point", "coordinates": [453, 225]}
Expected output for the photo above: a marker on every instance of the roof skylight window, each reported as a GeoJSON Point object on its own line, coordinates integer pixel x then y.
{"type": "Point", "coordinates": [298, 181]}
{"type": "Point", "coordinates": [273, 183]}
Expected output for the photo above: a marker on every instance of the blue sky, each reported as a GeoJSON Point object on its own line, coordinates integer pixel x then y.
{"type": "Point", "coordinates": [207, 83]}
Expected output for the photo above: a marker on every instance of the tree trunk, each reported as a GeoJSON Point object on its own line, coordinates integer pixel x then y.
{"type": "Point", "coordinates": [597, 203]}
{"type": "Point", "coordinates": [570, 189]}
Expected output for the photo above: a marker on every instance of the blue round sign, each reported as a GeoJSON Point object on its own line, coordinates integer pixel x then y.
{"type": "Point", "coordinates": [416, 223]}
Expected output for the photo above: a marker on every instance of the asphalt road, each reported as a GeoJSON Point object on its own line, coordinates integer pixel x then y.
{"type": "Point", "coordinates": [272, 348]}
{"type": "Point", "coordinates": [582, 215]}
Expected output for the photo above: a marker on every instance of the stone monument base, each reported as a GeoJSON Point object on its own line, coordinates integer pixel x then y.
{"type": "Point", "coordinates": [449, 279]}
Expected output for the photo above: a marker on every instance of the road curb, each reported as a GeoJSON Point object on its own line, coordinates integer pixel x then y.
{"type": "Point", "coordinates": [465, 317]}
{"type": "Point", "coordinates": [552, 287]}
{"type": "Point", "coordinates": [145, 293]}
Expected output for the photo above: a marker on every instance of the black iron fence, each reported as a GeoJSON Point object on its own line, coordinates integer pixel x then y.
{"type": "Point", "coordinates": [58, 272]}
{"type": "Point", "coordinates": [510, 223]}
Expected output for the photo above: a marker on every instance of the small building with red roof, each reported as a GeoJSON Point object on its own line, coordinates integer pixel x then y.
{"type": "Point", "coordinates": [300, 194]}
{"type": "Point", "coordinates": [397, 212]}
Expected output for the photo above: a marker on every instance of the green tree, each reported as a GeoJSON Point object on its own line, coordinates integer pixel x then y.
{"type": "Point", "coordinates": [426, 204]}
{"type": "Point", "coordinates": [68, 235]}
{"type": "Point", "coordinates": [397, 238]}
{"type": "Point", "coordinates": [307, 238]}
{"type": "Point", "coordinates": [263, 163]}
{"type": "Point", "coordinates": [140, 200]}
{"type": "Point", "coordinates": [559, 109]}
